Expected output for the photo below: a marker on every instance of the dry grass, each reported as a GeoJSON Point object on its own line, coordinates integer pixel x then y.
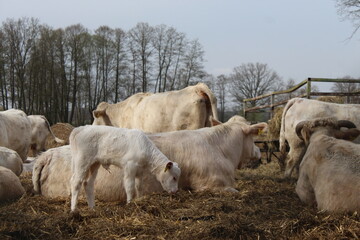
{"type": "Point", "coordinates": [266, 207]}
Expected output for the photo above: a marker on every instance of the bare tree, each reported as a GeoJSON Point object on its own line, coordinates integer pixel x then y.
{"type": "Point", "coordinates": [103, 41]}
{"type": "Point", "coordinates": [161, 44]}
{"type": "Point", "coordinates": [350, 10]}
{"type": "Point", "coordinates": [253, 79]}
{"type": "Point", "coordinates": [193, 59]}
{"type": "Point", "coordinates": [140, 38]}
{"type": "Point", "coordinates": [76, 39]}
{"type": "Point", "coordinates": [221, 90]}
{"type": "Point", "coordinates": [174, 60]}
{"type": "Point", "coordinates": [3, 76]}
{"type": "Point", "coordinates": [120, 63]}
{"type": "Point", "coordinates": [20, 37]}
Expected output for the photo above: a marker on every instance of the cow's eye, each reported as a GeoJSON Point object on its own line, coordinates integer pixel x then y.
{"type": "Point", "coordinates": [174, 178]}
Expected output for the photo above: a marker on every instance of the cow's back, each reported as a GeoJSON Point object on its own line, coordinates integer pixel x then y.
{"type": "Point", "coordinates": [305, 109]}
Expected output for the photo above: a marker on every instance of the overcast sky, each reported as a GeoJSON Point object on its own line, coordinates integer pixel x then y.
{"type": "Point", "coordinates": [297, 39]}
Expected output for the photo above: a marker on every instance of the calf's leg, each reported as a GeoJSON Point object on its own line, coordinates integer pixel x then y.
{"type": "Point", "coordinates": [129, 181]}
{"type": "Point", "coordinates": [89, 185]}
{"type": "Point", "coordinates": [76, 181]}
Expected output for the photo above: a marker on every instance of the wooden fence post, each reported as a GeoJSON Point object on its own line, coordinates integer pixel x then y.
{"type": "Point", "coordinates": [272, 106]}
{"type": "Point", "coordinates": [308, 88]}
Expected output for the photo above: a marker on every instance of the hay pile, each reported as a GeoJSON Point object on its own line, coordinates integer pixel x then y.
{"type": "Point", "coordinates": [266, 207]}
{"type": "Point", "coordinates": [331, 99]}
{"type": "Point", "coordinates": [275, 124]}
{"type": "Point", "coordinates": [62, 131]}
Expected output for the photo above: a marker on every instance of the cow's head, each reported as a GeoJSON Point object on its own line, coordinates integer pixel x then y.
{"type": "Point", "coordinates": [100, 115]}
{"type": "Point", "coordinates": [327, 126]}
{"type": "Point", "coordinates": [252, 153]}
{"type": "Point", "coordinates": [169, 177]}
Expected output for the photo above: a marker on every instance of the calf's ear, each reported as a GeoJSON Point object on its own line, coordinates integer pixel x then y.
{"type": "Point", "coordinates": [168, 166]}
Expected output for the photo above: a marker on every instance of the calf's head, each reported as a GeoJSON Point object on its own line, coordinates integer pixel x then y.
{"type": "Point", "coordinates": [169, 177]}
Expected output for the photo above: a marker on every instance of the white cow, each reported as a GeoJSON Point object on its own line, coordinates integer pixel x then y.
{"type": "Point", "coordinates": [10, 185]}
{"type": "Point", "coordinates": [129, 149]}
{"type": "Point", "coordinates": [300, 109]}
{"type": "Point", "coordinates": [208, 159]}
{"type": "Point", "coordinates": [188, 108]}
{"type": "Point", "coordinates": [15, 131]}
{"type": "Point", "coordinates": [11, 160]}
{"type": "Point", "coordinates": [40, 129]}
{"type": "Point", "coordinates": [329, 174]}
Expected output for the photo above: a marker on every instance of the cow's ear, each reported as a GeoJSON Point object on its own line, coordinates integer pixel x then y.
{"type": "Point", "coordinates": [98, 113]}
{"type": "Point", "coordinates": [214, 122]}
{"type": "Point", "coordinates": [306, 134]}
{"type": "Point", "coordinates": [257, 129]}
{"type": "Point", "coordinates": [168, 166]}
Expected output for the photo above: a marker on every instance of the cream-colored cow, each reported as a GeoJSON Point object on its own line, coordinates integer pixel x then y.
{"type": "Point", "coordinates": [10, 185]}
{"type": "Point", "coordinates": [40, 129]}
{"type": "Point", "coordinates": [15, 131]}
{"type": "Point", "coordinates": [189, 108]}
{"type": "Point", "coordinates": [208, 158]}
{"type": "Point", "coordinates": [329, 174]}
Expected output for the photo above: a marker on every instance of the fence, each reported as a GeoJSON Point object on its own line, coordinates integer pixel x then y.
{"type": "Point", "coordinates": [271, 147]}
{"type": "Point", "coordinates": [308, 94]}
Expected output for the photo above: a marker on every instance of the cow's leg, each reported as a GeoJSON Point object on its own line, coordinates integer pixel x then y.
{"type": "Point", "coordinates": [293, 159]}
{"type": "Point", "coordinates": [304, 189]}
{"type": "Point", "coordinates": [89, 185]}
{"type": "Point", "coordinates": [129, 181]}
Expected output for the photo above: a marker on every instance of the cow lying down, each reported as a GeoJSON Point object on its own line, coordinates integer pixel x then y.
{"type": "Point", "coordinates": [329, 174]}
{"type": "Point", "coordinates": [208, 158]}
{"type": "Point", "coordinates": [11, 160]}
{"type": "Point", "coordinates": [10, 185]}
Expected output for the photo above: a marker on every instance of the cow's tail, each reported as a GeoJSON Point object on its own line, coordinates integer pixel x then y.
{"type": "Point", "coordinates": [40, 162]}
{"type": "Point", "coordinates": [213, 101]}
{"type": "Point", "coordinates": [282, 144]}
{"type": "Point", "coordinates": [56, 139]}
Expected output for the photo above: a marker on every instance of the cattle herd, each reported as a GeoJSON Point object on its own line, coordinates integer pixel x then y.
{"type": "Point", "coordinates": [173, 140]}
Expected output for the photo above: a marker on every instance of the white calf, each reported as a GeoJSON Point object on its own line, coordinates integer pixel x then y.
{"type": "Point", "coordinates": [130, 149]}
